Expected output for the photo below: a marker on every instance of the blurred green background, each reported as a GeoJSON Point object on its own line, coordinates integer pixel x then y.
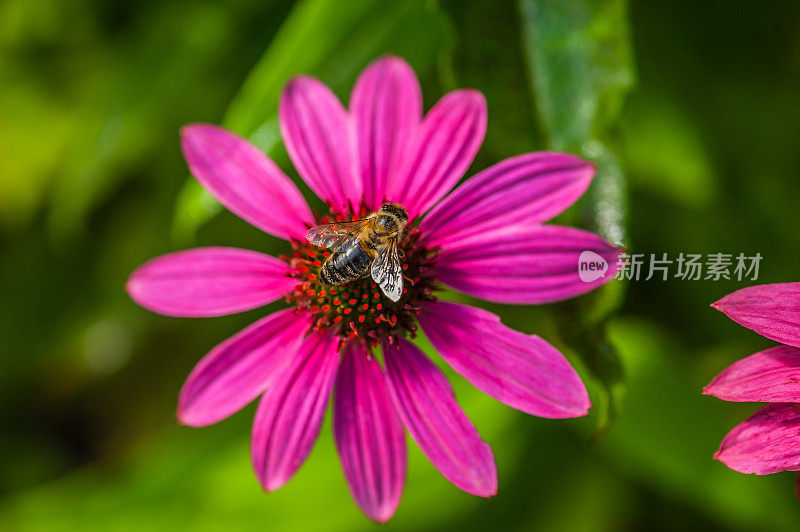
{"type": "Point", "coordinates": [691, 110]}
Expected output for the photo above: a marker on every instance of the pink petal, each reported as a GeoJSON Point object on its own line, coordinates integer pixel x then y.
{"type": "Point", "coordinates": [520, 370]}
{"type": "Point", "coordinates": [386, 105]}
{"type": "Point", "coordinates": [771, 310]}
{"type": "Point", "coordinates": [245, 181]}
{"type": "Point", "coordinates": [442, 150]}
{"type": "Point", "coordinates": [770, 376]}
{"type": "Point", "coordinates": [290, 413]}
{"type": "Point", "coordinates": [768, 442]}
{"type": "Point", "coordinates": [525, 265]}
{"type": "Point", "coordinates": [239, 369]}
{"type": "Point", "coordinates": [320, 139]}
{"type": "Point", "coordinates": [369, 435]}
{"type": "Point", "coordinates": [530, 188]}
{"type": "Point", "coordinates": [213, 281]}
{"type": "Point", "coordinates": [428, 407]}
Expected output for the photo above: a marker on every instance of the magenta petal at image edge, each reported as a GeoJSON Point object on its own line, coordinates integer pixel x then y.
{"type": "Point", "coordinates": [486, 238]}
{"type": "Point", "coordinates": [769, 441]}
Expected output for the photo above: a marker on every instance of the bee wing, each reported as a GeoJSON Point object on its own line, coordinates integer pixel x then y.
{"type": "Point", "coordinates": [387, 271]}
{"type": "Point", "coordinates": [333, 236]}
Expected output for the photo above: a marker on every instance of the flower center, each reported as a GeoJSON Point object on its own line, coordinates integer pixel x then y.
{"type": "Point", "coordinates": [359, 309]}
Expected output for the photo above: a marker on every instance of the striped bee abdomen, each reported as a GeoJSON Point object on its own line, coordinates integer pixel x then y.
{"type": "Point", "coordinates": [346, 265]}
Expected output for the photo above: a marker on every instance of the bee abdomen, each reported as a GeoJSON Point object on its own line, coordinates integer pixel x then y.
{"type": "Point", "coordinates": [345, 266]}
{"type": "Point", "coordinates": [331, 275]}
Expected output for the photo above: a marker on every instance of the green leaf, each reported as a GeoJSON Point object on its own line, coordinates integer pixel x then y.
{"type": "Point", "coordinates": [579, 61]}
{"type": "Point", "coordinates": [323, 39]}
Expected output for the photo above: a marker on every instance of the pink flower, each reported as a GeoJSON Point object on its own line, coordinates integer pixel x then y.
{"type": "Point", "coordinates": [769, 441]}
{"type": "Point", "coordinates": [485, 239]}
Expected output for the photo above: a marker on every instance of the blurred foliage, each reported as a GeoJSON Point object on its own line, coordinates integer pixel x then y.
{"type": "Point", "coordinates": [92, 95]}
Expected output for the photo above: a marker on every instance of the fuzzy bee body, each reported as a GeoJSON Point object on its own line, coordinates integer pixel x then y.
{"type": "Point", "coordinates": [363, 247]}
{"type": "Point", "coordinates": [347, 264]}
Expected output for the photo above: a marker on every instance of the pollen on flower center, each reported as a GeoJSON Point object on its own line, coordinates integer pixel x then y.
{"type": "Point", "coordinates": [359, 308]}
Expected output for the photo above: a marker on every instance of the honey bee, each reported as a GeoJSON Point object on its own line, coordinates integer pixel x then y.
{"type": "Point", "coordinates": [364, 246]}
